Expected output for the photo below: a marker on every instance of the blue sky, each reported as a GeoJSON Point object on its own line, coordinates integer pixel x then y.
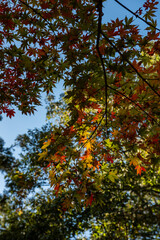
{"type": "Point", "coordinates": [10, 128]}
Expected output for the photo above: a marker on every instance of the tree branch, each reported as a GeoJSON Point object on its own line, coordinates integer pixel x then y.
{"type": "Point", "coordinates": [126, 60]}
{"type": "Point", "coordinates": [91, 136]}
{"type": "Point", "coordinates": [134, 104]}
{"type": "Point", "coordinates": [136, 15]}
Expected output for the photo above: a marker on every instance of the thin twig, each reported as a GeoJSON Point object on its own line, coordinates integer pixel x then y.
{"type": "Point", "coordinates": [134, 103]}
{"type": "Point", "coordinates": [91, 136]}
{"type": "Point", "coordinates": [39, 14]}
{"type": "Point", "coordinates": [136, 15]}
{"type": "Point", "coordinates": [99, 89]}
{"type": "Point", "coordinates": [126, 60]}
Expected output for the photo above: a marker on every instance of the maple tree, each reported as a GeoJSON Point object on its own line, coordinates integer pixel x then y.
{"type": "Point", "coordinates": [110, 111]}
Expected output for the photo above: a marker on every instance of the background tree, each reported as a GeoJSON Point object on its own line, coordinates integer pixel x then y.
{"type": "Point", "coordinates": [6, 156]}
{"type": "Point", "coordinates": [125, 208]}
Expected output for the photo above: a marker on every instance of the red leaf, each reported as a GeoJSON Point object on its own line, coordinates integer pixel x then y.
{"type": "Point", "coordinates": [113, 115]}
{"type": "Point", "coordinates": [143, 169]}
{"type": "Point", "coordinates": [109, 158]}
{"type": "Point", "coordinates": [57, 189]}
{"type": "Point", "coordinates": [134, 97]}
{"type": "Point", "coordinates": [91, 199]}
{"type": "Point", "coordinates": [10, 113]}
{"type": "Point", "coordinates": [155, 139]}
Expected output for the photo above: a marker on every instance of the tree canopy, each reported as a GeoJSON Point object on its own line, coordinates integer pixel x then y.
{"type": "Point", "coordinates": [102, 143]}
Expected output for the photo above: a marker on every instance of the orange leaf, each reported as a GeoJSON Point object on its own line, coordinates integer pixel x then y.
{"type": "Point", "coordinates": [140, 169]}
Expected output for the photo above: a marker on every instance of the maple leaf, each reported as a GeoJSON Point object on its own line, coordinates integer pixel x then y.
{"type": "Point", "coordinates": [134, 161]}
{"type": "Point", "coordinates": [88, 145]}
{"type": "Point", "coordinates": [56, 188]}
{"type": "Point", "coordinates": [90, 200]}
{"type": "Point", "coordinates": [113, 115]}
{"type": "Point", "coordinates": [42, 155]}
{"type": "Point", "coordinates": [10, 113]}
{"type": "Point", "coordinates": [140, 169]}
{"type": "Point", "coordinates": [113, 175]}
{"type": "Point", "coordinates": [46, 144]}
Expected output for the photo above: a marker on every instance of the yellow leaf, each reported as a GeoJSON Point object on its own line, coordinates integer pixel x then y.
{"type": "Point", "coordinates": [134, 161]}
{"type": "Point", "coordinates": [108, 143]}
{"type": "Point", "coordinates": [89, 165]}
{"type": "Point", "coordinates": [46, 144]}
{"type": "Point", "coordinates": [52, 177]}
{"type": "Point", "coordinates": [42, 155]}
{"type": "Point", "coordinates": [88, 145]}
{"type": "Point", "coordinates": [88, 158]}
{"type": "Point", "coordinates": [20, 213]}
{"type": "Point", "coordinates": [112, 175]}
